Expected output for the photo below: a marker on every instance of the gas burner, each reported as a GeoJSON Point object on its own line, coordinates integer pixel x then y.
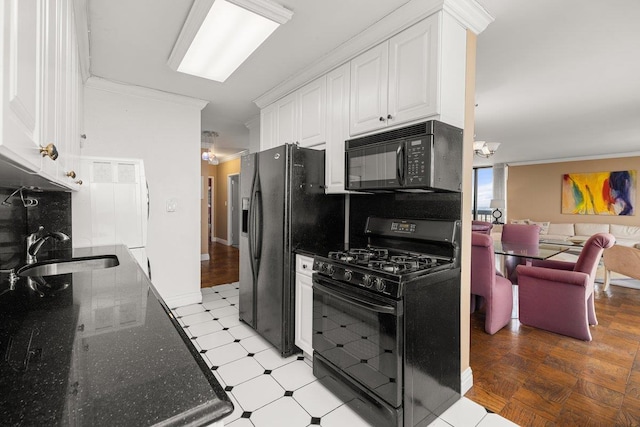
{"type": "Point", "coordinates": [391, 267]}
{"type": "Point", "coordinates": [341, 256]}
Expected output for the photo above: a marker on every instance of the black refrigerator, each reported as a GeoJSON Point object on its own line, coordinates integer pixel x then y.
{"type": "Point", "coordinates": [284, 210]}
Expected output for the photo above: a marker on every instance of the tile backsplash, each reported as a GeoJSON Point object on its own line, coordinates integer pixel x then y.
{"type": "Point", "coordinates": [53, 211]}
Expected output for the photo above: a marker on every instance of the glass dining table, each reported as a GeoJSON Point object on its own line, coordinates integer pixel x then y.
{"type": "Point", "coordinates": [541, 251]}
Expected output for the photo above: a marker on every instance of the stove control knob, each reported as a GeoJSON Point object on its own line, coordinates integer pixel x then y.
{"type": "Point", "coordinates": [380, 285]}
{"type": "Point", "coordinates": [330, 270]}
{"type": "Point", "coordinates": [323, 267]}
{"type": "Point", "coordinates": [367, 281]}
{"type": "Point", "coordinates": [348, 275]}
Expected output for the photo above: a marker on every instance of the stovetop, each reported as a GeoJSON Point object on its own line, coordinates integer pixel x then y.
{"type": "Point", "coordinates": [381, 270]}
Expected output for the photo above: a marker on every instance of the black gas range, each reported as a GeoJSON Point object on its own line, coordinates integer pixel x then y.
{"type": "Point", "coordinates": [386, 321]}
{"type": "Point", "coordinates": [381, 270]}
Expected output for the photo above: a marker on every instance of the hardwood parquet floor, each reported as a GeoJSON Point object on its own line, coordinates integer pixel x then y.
{"type": "Point", "coordinates": [222, 266]}
{"type": "Point", "coordinates": [538, 378]}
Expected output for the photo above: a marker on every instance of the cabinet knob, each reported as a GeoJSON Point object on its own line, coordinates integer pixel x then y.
{"type": "Point", "coordinates": [304, 266]}
{"type": "Point", "coordinates": [79, 182]}
{"type": "Point", "coordinates": [389, 117]}
{"type": "Point", "coordinates": [382, 119]}
{"type": "Point", "coordinates": [50, 150]}
{"type": "Point", "coordinates": [71, 174]}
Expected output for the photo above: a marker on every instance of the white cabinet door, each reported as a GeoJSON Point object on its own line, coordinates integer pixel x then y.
{"type": "Point", "coordinates": [22, 80]}
{"type": "Point", "coordinates": [287, 120]}
{"type": "Point", "coordinates": [312, 101]}
{"type": "Point", "coordinates": [304, 304]}
{"type": "Point", "coordinates": [413, 72]}
{"type": "Point", "coordinates": [268, 127]}
{"type": "Point", "coordinates": [337, 127]}
{"type": "Point", "coordinates": [369, 81]}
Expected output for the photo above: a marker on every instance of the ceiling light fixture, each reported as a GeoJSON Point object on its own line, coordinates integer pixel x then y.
{"type": "Point", "coordinates": [219, 35]}
{"type": "Point", "coordinates": [209, 138]}
{"type": "Point", "coordinates": [485, 149]}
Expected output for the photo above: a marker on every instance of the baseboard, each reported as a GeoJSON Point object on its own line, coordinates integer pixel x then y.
{"type": "Point", "coordinates": [223, 241]}
{"type": "Point", "coordinates": [466, 381]}
{"type": "Point", "coordinates": [204, 257]}
{"type": "Point", "coordinates": [185, 299]}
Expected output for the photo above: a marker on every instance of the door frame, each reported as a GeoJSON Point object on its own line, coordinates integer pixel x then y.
{"type": "Point", "coordinates": [211, 192]}
{"type": "Point", "coordinates": [229, 208]}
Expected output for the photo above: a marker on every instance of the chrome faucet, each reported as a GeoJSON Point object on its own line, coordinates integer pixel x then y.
{"type": "Point", "coordinates": [37, 239]}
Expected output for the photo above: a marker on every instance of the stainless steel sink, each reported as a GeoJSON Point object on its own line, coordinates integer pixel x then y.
{"type": "Point", "coordinates": [65, 266]}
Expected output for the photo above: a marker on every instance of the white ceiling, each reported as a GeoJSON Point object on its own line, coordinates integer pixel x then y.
{"type": "Point", "coordinates": [555, 79]}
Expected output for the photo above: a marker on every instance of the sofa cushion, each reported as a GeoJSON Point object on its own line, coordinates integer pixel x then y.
{"type": "Point", "coordinates": [519, 221]}
{"type": "Point", "coordinates": [627, 242]}
{"type": "Point", "coordinates": [625, 231]}
{"type": "Point", "coordinates": [561, 229]}
{"type": "Point", "coordinates": [584, 229]}
{"type": "Point", "coordinates": [544, 226]}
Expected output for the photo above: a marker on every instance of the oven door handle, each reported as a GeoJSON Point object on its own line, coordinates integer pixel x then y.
{"type": "Point", "coordinates": [378, 308]}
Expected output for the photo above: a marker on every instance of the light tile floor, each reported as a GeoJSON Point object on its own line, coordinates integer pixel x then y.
{"type": "Point", "coordinates": [268, 390]}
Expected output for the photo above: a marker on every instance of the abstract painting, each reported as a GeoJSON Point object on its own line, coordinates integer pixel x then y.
{"type": "Point", "coordinates": [599, 193]}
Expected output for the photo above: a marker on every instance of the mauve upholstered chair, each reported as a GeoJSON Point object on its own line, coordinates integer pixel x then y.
{"type": "Point", "coordinates": [483, 227]}
{"type": "Point", "coordinates": [496, 291]}
{"type": "Point", "coordinates": [558, 295]}
{"type": "Point", "coordinates": [521, 234]}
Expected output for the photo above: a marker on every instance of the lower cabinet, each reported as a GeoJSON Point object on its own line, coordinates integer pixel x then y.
{"type": "Point", "coordinates": [304, 304]}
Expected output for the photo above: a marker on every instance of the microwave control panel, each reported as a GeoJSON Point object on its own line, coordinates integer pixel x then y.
{"type": "Point", "coordinates": [417, 154]}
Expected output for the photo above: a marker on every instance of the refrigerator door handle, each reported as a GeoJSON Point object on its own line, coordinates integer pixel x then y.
{"type": "Point", "coordinates": [258, 228]}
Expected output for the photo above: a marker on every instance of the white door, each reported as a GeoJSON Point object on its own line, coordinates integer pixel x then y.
{"type": "Point", "coordinates": [337, 127]}
{"type": "Point", "coordinates": [369, 81]}
{"type": "Point", "coordinates": [413, 71]}
{"type": "Point", "coordinates": [312, 100]}
{"type": "Point", "coordinates": [287, 120]}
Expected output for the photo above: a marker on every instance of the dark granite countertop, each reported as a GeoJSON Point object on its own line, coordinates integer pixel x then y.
{"type": "Point", "coordinates": [103, 351]}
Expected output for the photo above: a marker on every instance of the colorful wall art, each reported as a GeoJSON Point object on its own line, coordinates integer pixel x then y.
{"type": "Point", "coordinates": [599, 193]}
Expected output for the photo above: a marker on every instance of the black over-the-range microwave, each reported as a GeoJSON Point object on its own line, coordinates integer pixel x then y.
{"type": "Point", "coordinates": [425, 156]}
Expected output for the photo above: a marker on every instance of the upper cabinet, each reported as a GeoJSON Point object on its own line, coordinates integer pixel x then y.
{"type": "Point", "coordinates": [297, 118]}
{"type": "Point", "coordinates": [41, 88]}
{"type": "Point", "coordinates": [414, 75]}
{"type": "Point", "coordinates": [397, 81]}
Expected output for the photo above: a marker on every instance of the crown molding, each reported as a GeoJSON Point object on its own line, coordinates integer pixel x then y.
{"type": "Point", "coordinates": [266, 8]}
{"type": "Point", "coordinates": [467, 12]}
{"type": "Point", "coordinates": [252, 122]}
{"type": "Point", "coordinates": [576, 159]}
{"type": "Point", "coordinates": [143, 92]}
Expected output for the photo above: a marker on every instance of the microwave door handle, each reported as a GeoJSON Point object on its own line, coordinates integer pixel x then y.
{"type": "Point", "coordinates": [400, 163]}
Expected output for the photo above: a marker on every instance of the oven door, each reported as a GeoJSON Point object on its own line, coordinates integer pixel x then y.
{"type": "Point", "coordinates": [361, 335]}
{"type": "Point", "coordinates": [375, 166]}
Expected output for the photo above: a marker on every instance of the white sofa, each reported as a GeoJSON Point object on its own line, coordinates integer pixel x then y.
{"type": "Point", "coordinates": [626, 235]}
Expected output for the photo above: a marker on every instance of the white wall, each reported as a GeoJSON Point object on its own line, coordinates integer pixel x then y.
{"type": "Point", "coordinates": [163, 130]}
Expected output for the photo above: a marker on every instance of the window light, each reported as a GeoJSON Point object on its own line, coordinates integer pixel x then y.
{"type": "Point", "coordinates": [217, 38]}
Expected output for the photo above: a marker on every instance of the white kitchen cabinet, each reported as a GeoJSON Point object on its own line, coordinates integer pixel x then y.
{"type": "Point", "coordinates": [268, 126]}
{"type": "Point", "coordinates": [402, 80]}
{"type": "Point", "coordinates": [278, 123]}
{"type": "Point", "coordinates": [304, 304]}
{"type": "Point", "coordinates": [40, 77]}
{"type": "Point", "coordinates": [299, 117]}
{"type": "Point", "coordinates": [338, 83]}
{"type": "Point", "coordinates": [22, 71]}
{"type": "Point", "coordinates": [287, 119]}
{"type": "Point", "coordinates": [369, 89]}
{"type": "Point", "coordinates": [312, 101]}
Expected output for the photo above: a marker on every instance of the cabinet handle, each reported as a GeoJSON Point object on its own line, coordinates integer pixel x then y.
{"type": "Point", "coordinates": [389, 117]}
{"type": "Point", "coordinates": [71, 174]}
{"type": "Point", "coordinates": [382, 119]}
{"type": "Point", "coordinates": [50, 150]}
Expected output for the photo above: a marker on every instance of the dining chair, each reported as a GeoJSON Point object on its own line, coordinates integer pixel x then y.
{"type": "Point", "coordinates": [557, 296]}
{"type": "Point", "coordinates": [483, 227]}
{"type": "Point", "coordinates": [495, 292]}
{"type": "Point", "coordinates": [521, 234]}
